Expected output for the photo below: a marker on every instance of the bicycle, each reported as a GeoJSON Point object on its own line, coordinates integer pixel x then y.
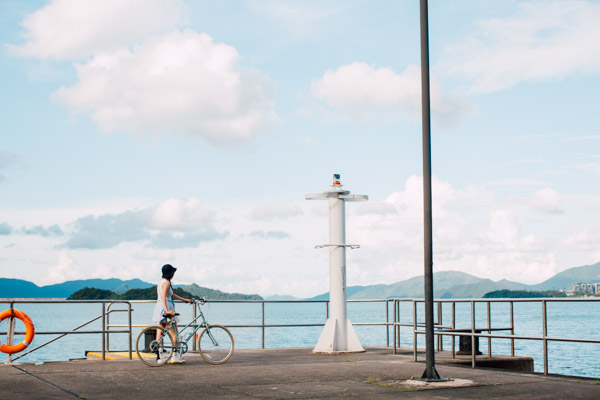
{"type": "Point", "coordinates": [154, 345]}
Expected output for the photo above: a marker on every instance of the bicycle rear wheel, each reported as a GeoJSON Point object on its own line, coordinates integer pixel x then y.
{"type": "Point", "coordinates": [154, 346]}
{"type": "Point", "coordinates": [215, 344]}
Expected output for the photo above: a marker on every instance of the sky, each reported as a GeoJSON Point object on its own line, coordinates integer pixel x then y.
{"type": "Point", "coordinates": [135, 133]}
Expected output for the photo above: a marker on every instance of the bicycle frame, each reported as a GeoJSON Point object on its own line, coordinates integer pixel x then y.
{"type": "Point", "coordinates": [182, 340]}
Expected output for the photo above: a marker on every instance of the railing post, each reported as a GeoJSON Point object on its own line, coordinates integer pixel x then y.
{"type": "Point", "coordinates": [512, 330]}
{"type": "Point", "coordinates": [387, 323]}
{"type": "Point", "coordinates": [452, 354]}
{"type": "Point", "coordinates": [103, 330]}
{"type": "Point", "coordinates": [108, 327]}
{"type": "Point", "coordinates": [130, 329]}
{"type": "Point", "coordinates": [414, 330]}
{"type": "Point", "coordinates": [489, 323]}
{"type": "Point", "coordinates": [545, 323]}
{"type": "Point", "coordinates": [473, 349]}
{"type": "Point", "coordinates": [194, 316]}
{"type": "Point", "coordinates": [439, 319]}
{"type": "Point", "coordinates": [398, 327]}
{"type": "Point", "coordinates": [263, 324]}
{"type": "Point", "coordinates": [394, 327]}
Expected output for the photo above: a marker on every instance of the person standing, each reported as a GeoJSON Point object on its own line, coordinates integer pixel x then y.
{"type": "Point", "coordinates": [165, 306]}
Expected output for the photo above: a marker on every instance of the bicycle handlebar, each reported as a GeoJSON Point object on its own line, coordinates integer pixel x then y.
{"type": "Point", "coordinates": [200, 301]}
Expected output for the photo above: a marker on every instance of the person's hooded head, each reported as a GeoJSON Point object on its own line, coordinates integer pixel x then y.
{"type": "Point", "coordinates": [168, 271]}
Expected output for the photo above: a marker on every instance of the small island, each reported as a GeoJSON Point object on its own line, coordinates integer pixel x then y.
{"type": "Point", "coordinates": [522, 294]}
{"type": "Point", "coordinates": [190, 291]}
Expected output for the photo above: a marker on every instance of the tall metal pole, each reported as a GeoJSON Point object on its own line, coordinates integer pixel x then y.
{"type": "Point", "coordinates": [430, 371]}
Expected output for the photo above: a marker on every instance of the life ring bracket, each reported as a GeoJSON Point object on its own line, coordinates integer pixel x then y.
{"type": "Point", "coordinates": [29, 334]}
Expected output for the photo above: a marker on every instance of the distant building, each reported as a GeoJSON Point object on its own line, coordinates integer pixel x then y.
{"type": "Point", "coordinates": [576, 288]}
{"type": "Point", "coordinates": [585, 288]}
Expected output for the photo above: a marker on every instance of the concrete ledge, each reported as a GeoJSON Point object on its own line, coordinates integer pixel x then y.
{"type": "Point", "coordinates": [517, 363]}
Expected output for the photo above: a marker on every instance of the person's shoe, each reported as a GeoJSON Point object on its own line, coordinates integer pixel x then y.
{"type": "Point", "coordinates": [176, 359]}
{"type": "Point", "coordinates": [161, 355]}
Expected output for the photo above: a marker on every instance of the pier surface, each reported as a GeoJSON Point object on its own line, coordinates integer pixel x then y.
{"type": "Point", "coordinates": [282, 374]}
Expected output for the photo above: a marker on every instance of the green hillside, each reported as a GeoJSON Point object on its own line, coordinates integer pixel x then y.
{"type": "Point", "coordinates": [460, 285]}
{"type": "Point", "coordinates": [564, 279]}
{"type": "Point", "coordinates": [131, 294]}
{"type": "Point", "coordinates": [478, 289]}
{"type": "Point", "coordinates": [522, 294]}
{"type": "Point", "coordinates": [214, 294]}
{"type": "Point", "coordinates": [442, 282]}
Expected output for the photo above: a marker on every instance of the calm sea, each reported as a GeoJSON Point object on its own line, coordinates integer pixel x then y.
{"type": "Point", "coordinates": [565, 320]}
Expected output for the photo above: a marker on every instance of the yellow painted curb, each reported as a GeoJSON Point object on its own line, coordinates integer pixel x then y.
{"type": "Point", "coordinates": [120, 355]}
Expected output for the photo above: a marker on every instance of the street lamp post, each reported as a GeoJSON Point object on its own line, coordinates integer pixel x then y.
{"type": "Point", "coordinates": [430, 373]}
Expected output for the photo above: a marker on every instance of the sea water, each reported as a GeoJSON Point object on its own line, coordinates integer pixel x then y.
{"type": "Point", "coordinates": [565, 320]}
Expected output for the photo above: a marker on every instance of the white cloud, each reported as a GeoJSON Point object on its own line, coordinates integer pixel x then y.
{"type": "Point", "coordinates": [543, 40]}
{"type": "Point", "coordinates": [359, 88]}
{"type": "Point", "coordinates": [137, 73]}
{"type": "Point", "coordinates": [269, 235]}
{"type": "Point", "coordinates": [5, 229]}
{"type": "Point", "coordinates": [175, 223]}
{"type": "Point", "coordinates": [547, 201]}
{"type": "Point", "coordinates": [276, 211]}
{"type": "Point", "coordinates": [180, 215]}
{"type": "Point", "coordinates": [585, 239]}
{"type": "Point", "coordinates": [66, 270]}
{"type": "Point", "coordinates": [72, 29]}
{"type": "Point", "coordinates": [473, 232]}
{"type": "Point", "coordinates": [181, 82]}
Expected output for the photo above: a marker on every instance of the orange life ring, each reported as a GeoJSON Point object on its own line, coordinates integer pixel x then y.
{"type": "Point", "coordinates": [30, 331]}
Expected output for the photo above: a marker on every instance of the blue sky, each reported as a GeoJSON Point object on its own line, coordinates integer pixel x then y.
{"type": "Point", "coordinates": [136, 133]}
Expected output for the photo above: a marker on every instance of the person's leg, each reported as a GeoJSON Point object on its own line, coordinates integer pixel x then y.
{"type": "Point", "coordinates": [164, 325]}
{"type": "Point", "coordinates": [173, 333]}
{"type": "Point", "coordinates": [177, 356]}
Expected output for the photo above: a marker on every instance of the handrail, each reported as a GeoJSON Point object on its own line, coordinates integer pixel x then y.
{"type": "Point", "coordinates": [473, 334]}
{"type": "Point", "coordinates": [104, 331]}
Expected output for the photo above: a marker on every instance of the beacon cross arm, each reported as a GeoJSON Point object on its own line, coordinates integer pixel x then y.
{"type": "Point", "coordinates": [338, 335]}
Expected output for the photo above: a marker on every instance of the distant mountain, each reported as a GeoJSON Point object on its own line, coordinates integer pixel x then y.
{"type": "Point", "coordinates": [446, 284]}
{"type": "Point", "coordinates": [349, 292]}
{"type": "Point", "coordinates": [10, 288]}
{"type": "Point", "coordinates": [460, 285]}
{"type": "Point", "coordinates": [131, 294]}
{"type": "Point", "coordinates": [217, 294]}
{"type": "Point", "coordinates": [18, 288]}
{"type": "Point", "coordinates": [564, 279]}
{"type": "Point", "coordinates": [413, 287]}
{"type": "Point", "coordinates": [281, 297]}
{"type": "Point", "coordinates": [478, 289]}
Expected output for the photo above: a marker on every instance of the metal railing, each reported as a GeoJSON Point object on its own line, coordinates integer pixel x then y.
{"type": "Point", "coordinates": [104, 331]}
{"type": "Point", "coordinates": [392, 322]}
{"type": "Point", "coordinates": [477, 332]}
{"type": "Point", "coordinates": [263, 326]}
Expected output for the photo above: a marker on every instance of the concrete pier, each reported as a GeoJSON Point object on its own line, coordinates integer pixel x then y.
{"type": "Point", "coordinates": [282, 374]}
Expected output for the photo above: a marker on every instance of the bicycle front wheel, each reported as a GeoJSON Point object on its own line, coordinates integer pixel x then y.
{"type": "Point", "coordinates": [215, 344]}
{"type": "Point", "coordinates": [154, 346]}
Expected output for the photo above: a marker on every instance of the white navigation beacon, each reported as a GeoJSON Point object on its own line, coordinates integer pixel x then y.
{"type": "Point", "coordinates": [338, 335]}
